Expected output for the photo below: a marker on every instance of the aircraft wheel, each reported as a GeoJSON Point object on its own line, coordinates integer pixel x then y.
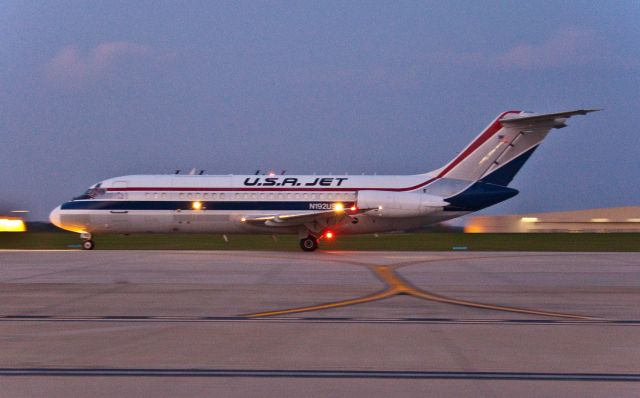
{"type": "Point", "coordinates": [88, 245]}
{"type": "Point", "coordinates": [309, 244]}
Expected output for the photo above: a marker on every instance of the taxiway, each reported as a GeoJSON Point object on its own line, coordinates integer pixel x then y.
{"type": "Point", "coordinates": [330, 323]}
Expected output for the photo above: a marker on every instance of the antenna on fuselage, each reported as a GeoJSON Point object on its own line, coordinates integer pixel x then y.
{"type": "Point", "coordinates": [257, 172]}
{"type": "Point", "coordinates": [283, 172]}
{"type": "Point", "coordinates": [201, 172]}
{"type": "Point", "coordinates": [177, 171]}
{"type": "Point", "coordinates": [192, 172]}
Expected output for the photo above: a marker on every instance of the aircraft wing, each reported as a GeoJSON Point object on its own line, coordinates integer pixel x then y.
{"type": "Point", "coordinates": [293, 219]}
{"type": "Point", "coordinates": [550, 120]}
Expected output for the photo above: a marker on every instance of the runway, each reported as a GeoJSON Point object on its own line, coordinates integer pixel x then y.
{"type": "Point", "coordinates": [416, 324]}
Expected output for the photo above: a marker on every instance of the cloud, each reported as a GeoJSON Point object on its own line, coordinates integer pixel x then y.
{"type": "Point", "coordinates": [569, 47]}
{"type": "Point", "coordinates": [72, 69]}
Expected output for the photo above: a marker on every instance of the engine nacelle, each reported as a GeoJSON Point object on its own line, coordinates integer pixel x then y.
{"type": "Point", "coordinates": [399, 204]}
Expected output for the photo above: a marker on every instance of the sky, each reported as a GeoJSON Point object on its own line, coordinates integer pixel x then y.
{"type": "Point", "coordinates": [96, 89]}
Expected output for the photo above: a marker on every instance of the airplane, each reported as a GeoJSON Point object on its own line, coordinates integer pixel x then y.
{"type": "Point", "coordinates": [314, 207]}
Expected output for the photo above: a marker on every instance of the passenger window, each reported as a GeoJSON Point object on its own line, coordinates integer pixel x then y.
{"type": "Point", "coordinates": [221, 196]}
{"type": "Point", "coordinates": [181, 195]}
{"type": "Point", "coordinates": [190, 195]}
{"type": "Point", "coordinates": [214, 196]}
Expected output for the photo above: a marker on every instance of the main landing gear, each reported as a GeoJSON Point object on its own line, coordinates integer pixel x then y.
{"type": "Point", "coordinates": [309, 244]}
{"type": "Point", "coordinates": [87, 243]}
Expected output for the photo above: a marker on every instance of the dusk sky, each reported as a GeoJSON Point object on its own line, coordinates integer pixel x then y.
{"type": "Point", "coordinates": [92, 90]}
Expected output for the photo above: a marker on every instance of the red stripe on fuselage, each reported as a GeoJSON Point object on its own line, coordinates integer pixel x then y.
{"type": "Point", "coordinates": [482, 138]}
{"type": "Point", "coordinates": [283, 189]}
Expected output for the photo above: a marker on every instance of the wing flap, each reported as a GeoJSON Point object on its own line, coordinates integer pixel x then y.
{"type": "Point", "coordinates": [292, 219]}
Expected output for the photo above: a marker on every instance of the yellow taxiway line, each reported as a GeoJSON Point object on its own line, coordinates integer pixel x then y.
{"type": "Point", "coordinates": [402, 287]}
{"type": "Point", "coordinates": [398, 286]}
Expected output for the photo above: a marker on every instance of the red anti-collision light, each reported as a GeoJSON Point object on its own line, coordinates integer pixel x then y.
{"type": "Point", "coordinates": [353, 208]}
{"type": "Point", "coordinates": [329, 235]}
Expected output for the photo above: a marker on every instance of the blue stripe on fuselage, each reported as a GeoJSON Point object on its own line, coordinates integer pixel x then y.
{"type": "Point", "coordinates": [478, 196]}
{"type": "Point", "coordinates": [206, 205]}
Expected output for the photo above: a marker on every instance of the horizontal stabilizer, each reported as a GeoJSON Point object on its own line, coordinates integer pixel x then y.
{"type": "Point", "coordinates": [554, 120]}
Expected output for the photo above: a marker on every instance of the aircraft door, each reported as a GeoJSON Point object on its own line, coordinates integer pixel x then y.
{"type": "Point", "coordinates": [119, 185]}
{"type": "Point", "coordinates": [113, 220]}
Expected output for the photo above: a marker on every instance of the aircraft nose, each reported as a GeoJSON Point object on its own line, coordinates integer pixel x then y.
{"type": "Point", "coordinates": [54, 217]}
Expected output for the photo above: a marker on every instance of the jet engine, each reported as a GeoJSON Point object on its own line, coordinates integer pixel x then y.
{"type": "Point", "coordinates": [390, 204]}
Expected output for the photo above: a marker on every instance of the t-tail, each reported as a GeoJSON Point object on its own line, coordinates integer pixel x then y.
{"type": "Point", "coordinates": [489, 163]}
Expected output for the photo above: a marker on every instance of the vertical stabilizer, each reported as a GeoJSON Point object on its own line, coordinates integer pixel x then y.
{"type": "Point", "coordinates": [498, 153]}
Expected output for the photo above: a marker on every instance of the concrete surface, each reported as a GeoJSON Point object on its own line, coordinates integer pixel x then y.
{"type": "Point", "coordinates": [522, 315]}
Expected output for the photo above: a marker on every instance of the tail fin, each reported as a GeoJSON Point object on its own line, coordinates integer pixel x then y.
{"type": "Point", "coordinates": [498, 153]}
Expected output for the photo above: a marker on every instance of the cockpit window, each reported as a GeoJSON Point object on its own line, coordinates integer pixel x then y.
{"type": "Point", "coordinates": [92, 193]}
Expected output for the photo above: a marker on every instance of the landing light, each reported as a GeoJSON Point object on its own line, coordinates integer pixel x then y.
{"type": "Point", "coordinates": [529, 219]}
{"type": "Point", "coordinates": [338, 207]}
{"type": "Point", "coordinates": [196, 205]}
{"type": "Point", "coordinates": [353, 208]}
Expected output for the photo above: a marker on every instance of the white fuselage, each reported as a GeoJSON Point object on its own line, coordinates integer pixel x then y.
{"type": "Point", "coordinates": [220, 203]}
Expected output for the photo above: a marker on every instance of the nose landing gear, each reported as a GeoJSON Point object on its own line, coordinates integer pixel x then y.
{"type": "Point", "coordinates": [87, 243]}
